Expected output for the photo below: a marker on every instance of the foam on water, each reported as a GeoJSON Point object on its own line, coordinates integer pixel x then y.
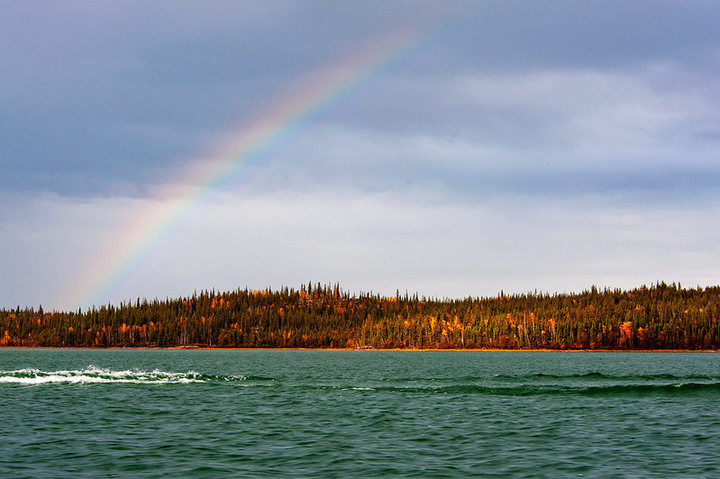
{"type": "Point", "coordinates": [93, 374]}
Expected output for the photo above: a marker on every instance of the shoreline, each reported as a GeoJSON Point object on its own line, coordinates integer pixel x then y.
{"type": "Point", "coordinates": [450, 350]}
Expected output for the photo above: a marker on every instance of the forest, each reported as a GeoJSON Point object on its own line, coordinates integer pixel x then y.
{"type": "Point", "coordinates": [660, 316]}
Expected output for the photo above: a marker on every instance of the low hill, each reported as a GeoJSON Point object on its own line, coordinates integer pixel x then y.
{"type": "Point", "coordinates": [656, 317]}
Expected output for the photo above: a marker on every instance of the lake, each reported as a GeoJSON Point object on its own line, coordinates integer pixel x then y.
{"type": "Point", "coordinates": [229, 413]}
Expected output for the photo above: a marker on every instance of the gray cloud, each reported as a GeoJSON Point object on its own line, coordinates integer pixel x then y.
{"type": "Point", "coordinates": [379, 241]}
{"type": "Point", "coordinates": [95, 92]}
{"type": "Point", "coordinates": [552, 144]}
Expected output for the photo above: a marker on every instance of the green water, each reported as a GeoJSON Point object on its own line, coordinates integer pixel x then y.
{"type": "Point", "coordinates": [146, 413]}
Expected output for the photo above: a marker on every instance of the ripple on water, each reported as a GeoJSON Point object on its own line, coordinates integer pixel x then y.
{"type": "Point", "coordinates": [349, 415]}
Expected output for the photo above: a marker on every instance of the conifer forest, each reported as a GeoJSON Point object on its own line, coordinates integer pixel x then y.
{"type": "Point", "coordinates": [660, 316]}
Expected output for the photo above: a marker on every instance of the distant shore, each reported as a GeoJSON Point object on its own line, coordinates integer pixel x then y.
{"type": "Point", "coordinates": [452, 350]}
{"type": "Point", "coordinates": [657, 318]}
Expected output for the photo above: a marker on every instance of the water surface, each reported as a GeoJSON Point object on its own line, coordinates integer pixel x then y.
{"type": "Point", "coordinates": [192, 413]}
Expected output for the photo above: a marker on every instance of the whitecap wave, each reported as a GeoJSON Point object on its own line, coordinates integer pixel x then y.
{"type": "Point", "coordinates": [93, 374]}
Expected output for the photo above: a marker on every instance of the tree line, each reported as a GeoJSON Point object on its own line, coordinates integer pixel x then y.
{"type": "Point", "coordinates": [659, 316]}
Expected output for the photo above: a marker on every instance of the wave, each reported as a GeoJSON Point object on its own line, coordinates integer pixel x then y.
{"type": "Point", "coordinates": [611, 389]}
{"type": "Point", "coordinates": [584, 384]}
{"type": "Point", "coordinates": [92, 374]}
{"type": "Point", "coordinates": [586, 378]}
{"type": "Point", "coordinates": [598, 376]}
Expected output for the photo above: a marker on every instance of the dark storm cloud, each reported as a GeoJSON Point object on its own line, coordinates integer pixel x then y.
{"type": "Point", "coordinates": [97, 91]}
{"type": "Point", "coordinates": [551, 34]}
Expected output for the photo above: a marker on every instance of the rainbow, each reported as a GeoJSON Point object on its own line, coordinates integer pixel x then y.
{"type": "Point", "coordinates": [247, 145]}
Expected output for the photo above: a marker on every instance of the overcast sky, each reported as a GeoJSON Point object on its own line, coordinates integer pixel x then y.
{"type": "Point", "coordinates": [507, 145]}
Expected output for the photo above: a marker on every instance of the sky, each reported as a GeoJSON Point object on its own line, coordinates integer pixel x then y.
{"type": "Point", "coordinates": [450, 149]}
